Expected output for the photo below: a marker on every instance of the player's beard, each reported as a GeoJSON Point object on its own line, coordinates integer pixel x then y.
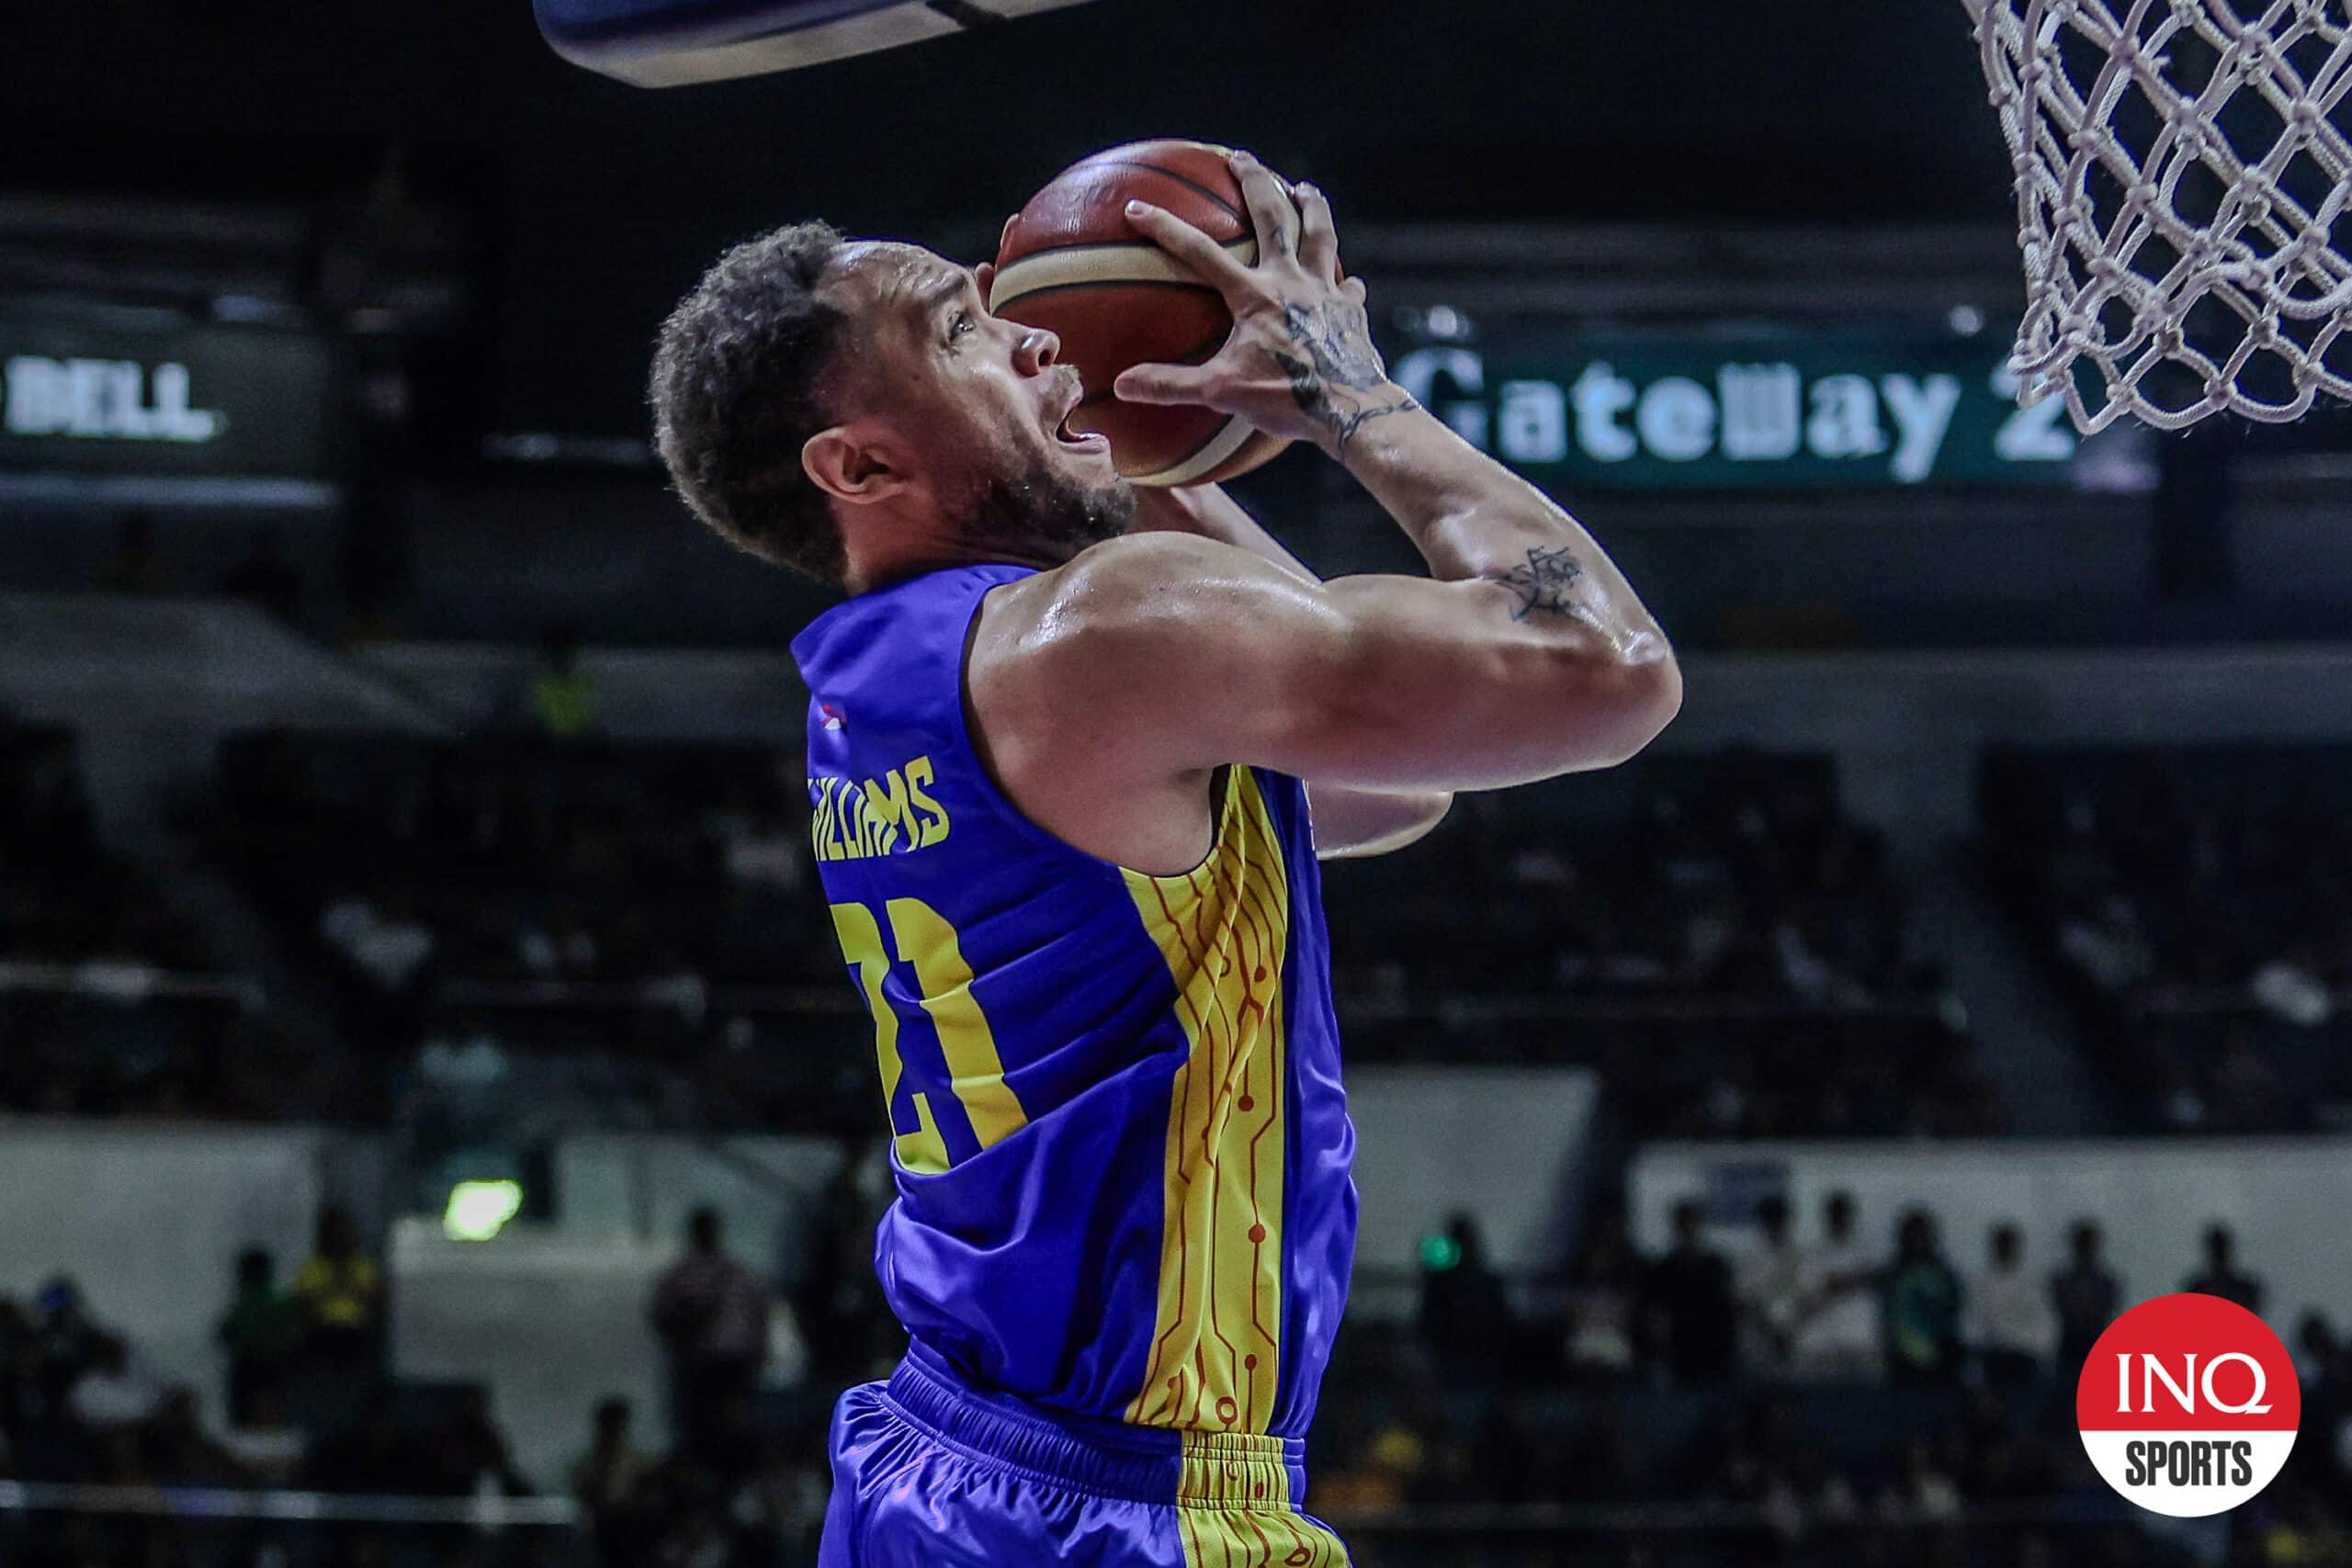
{"type": "Point", "coordinates": [1029, 503]}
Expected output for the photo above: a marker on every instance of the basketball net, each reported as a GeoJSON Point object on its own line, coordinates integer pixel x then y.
{"type": "Point", "coordinates": [2182, 171]}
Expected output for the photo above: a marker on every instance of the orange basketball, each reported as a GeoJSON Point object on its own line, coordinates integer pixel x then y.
{"type": "Point", "coordinates": [1072, 265]}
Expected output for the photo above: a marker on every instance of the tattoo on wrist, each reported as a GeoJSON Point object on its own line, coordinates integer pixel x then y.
{"type": "Point", "coordinates": [1335, 359]}
{"type": "Point", "coordinates": [1314, 399]}
{"type": "Point", "coordinates": [1543, 584]}
{"type": "Point", "coordinates": [1362, 417]}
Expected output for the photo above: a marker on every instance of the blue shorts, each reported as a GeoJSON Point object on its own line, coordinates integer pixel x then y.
{"type": "Point", "coordinates": [929, 1471]}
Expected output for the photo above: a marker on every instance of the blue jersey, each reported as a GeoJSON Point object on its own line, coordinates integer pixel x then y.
{"type": "Point", "coordinates": [1122, 1150]}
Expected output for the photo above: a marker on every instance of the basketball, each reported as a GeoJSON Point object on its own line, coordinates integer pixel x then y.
{"type": "Point", "coordinates": [1072, 265]}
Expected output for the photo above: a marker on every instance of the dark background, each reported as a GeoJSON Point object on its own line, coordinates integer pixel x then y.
{"type": "Point", "coordinates": [600, 202]}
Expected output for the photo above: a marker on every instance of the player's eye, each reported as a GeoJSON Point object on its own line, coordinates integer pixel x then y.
{"type": "Point", "coordinates": [961, 324]}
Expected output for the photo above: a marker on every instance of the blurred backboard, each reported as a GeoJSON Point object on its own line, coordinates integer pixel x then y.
{"type": "Point", "coordinates": [671, 43]}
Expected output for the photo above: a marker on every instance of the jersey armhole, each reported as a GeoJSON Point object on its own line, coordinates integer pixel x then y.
{"type": "Point", "coordinates": [1224, 789]}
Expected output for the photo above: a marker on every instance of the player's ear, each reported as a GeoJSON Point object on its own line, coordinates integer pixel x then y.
{"type": "Point", "coordinates": [848, 464]}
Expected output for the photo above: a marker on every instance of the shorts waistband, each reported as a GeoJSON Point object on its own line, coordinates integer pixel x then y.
{"type": "Point", "coordinates": [1142, 1464]}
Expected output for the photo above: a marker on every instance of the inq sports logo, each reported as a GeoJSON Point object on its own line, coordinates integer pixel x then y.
{"type": "Point", "coordinates": [2189, 1404]}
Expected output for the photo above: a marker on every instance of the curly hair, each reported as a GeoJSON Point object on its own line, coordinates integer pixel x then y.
{"type": "Point", "coordinates": [738, 386]}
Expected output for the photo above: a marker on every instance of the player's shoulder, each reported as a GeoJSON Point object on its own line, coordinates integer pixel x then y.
{"type": "Point", "coordinates": [1127, 572]}
{"type": "Point", "coordinates": [1121, 620]}
{"type": "Point", "coordinates": [1121, 592]}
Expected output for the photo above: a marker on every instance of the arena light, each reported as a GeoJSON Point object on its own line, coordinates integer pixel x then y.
{"type": "Point", "coordinates": [478, 1211]}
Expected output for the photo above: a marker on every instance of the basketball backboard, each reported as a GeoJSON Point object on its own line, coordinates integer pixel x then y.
{"type": "Point", "coordinates": [673, 43]}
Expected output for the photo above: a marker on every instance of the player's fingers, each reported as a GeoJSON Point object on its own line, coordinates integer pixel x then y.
{"type": "Point", "coordinates": [1209, 261]}
{"type": "Point", "coordinates": [1161, 384]}
{"type": "Point", "coordinates": [983, 276]}
{"type": "Point", "coordinates": [1319, 243]}
{"type": "Point", "coordinates": [1353, 289]}
{"type": "Point", "coordinates": [1271, 211]}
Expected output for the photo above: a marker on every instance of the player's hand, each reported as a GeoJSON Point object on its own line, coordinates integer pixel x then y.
{"type": "Point", "coordinates": [1300, 363]}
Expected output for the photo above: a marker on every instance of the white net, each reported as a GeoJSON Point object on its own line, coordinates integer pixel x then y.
{"type": "Point", "coordinates": [2183, 172]}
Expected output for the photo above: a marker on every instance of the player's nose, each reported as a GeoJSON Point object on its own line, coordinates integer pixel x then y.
{"type": "Point", "coordinates": [1037, 351]}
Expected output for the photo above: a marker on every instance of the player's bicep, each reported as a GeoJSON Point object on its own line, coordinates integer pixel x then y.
{"type": "Point", "coordinates": [1184, 653]}
{"type": "Point", "coordinates": [1428, 685]}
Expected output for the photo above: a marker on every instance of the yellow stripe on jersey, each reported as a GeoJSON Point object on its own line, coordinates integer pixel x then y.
{"type": "Point", "coordinates": [1224, 930]}
{"type": "Point", "coordinates": [1233, 1508]}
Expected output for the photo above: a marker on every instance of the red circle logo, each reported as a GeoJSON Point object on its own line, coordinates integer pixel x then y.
{"type": "Point", "coordinates": [2189, 1404]}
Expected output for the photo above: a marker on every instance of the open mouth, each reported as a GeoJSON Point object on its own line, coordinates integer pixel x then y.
{"type": "Point", "coordinates": [1078, 440]}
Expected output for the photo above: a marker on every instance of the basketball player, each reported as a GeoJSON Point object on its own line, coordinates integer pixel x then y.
{"type": "Point", "coordinates": [1072, 756]}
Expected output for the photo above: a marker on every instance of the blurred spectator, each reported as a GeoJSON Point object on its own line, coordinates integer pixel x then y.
{"type": "Point", "coordinates": [262, 1332]}
{"type": "Point", "coordinates": [1604, 1294]}
{"type": "Point", "coordinates": [1838, 1336]}
{"type": "Point", "coordinates": [712, 1315]}
{"type": "Point", "coordinates": [1375, 1468]}
{"type": "Point", "coordinates": [19, 1379]}
{"type": "Point", "coordinates": [2087, 1296]}
{"type": "Point", "coordinates": [132, 566]}
{"type": "Point", "coordinates": [1925, 1490]}
{"type": "Point", "coordinates": [181, 1451]}
{"type": "Point", "coordinates": [1689, 1305]}
{"type": "Point", "coordinates": [2011, 1323]}
{"type": "Point", "coordinates": [470, 1454]}
{"type": "Point", "coordinates": [2107, 944]}
{"type": "Point", "coordinates": [609, 1482]}
{"type": "Point", "coordinates": [2192, 905]}
{"type": "Point", "coordinates": [779, 1506]}
{"type": "Point", "coordinates": [265, 1443]}
{"type": "Point", "coordinates": [2249, 1096]}
{"type": "Point", "coordinates": [340, 1290]}
{"type": "Point", "coordinates": [2302, 1530]}
{"type": "Point", "coordinates": [837, 1298]}
{"type": "Point", "coordinates": [1769, 1279]}
{"type": "Point", "coordinates": [64, 1339]}
{"type": "Point", "coordinates": [2220, 1276]}
{"type": "Point", "coordinates": [265, 578]}
{"type": "Point", "coordinates": [115, 1392]}
{"type": "Point", "coordinates": [1920, 1303]}
{"type": "Point", "coordinates": [761, 851]}
{"type": "Point", "coordinates": [2316, 1349]}
{"type": "Point", "coordinates": [1464, 1316]}
{"type": "Point", "coordinates": [563, 695]}
{"type": "Point", "coordinates": [373, 1454]}
{"type": "Point", "coordinates": [698, 1540]}
{"type": "Point", "coordinates": [1730, 888]}
{"type": "Point", "coordinates": [387, 945]}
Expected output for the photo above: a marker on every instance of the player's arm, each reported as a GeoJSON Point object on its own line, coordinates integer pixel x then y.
{"type": "Point", "coordinates": [1531, 656]}
{"type": "Point", "coordinates": [1160, 656]}
{"type": "Point", "coordinates": [1350, 821]}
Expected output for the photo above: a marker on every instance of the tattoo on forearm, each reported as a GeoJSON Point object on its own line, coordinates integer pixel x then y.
{"type": "Point", "coordinates": [1543, 583]}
